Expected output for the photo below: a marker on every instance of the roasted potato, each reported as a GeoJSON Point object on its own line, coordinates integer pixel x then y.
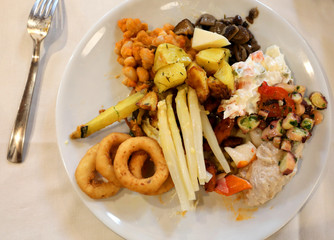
{"type": "Point", "coordinates": [167, 53]}
{"type": "Point", "coordinates": [225, 75]}
{"type": "Point", "coordinates": [170, 76]}
{"type": "Point", "coordinates": [197, 80]}
{"type": "Point", "coordinates": [149, 101]}
{"type": "Point", "coordinates": [210, 59]}
{"type": "Point", "coordinates": [218, 89]}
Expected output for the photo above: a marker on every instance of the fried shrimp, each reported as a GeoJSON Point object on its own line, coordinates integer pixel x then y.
{"type": "Point", "coordinates": [127, 179]}
{"type": "Point", "coordinates": [135, 166]}
{"type": "Point", "coordinates": [85, 176]}
{"type": "Point", "coordinates": [105, 155]}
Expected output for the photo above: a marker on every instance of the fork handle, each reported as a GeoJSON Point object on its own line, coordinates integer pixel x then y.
{"type": "Point", "coordinates": [16, 142]}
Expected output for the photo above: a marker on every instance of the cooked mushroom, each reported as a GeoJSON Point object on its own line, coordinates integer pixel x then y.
{"type": "Point", "coordinates": [231, 31]}
{"type": "Point", "coordinates": [242, 36]}
{"type": "Point", "coordinates": [253, 13]}
{"type": "Point", "coordinates": [254, 44]}
{"type": "Point", "coordinates": [185, 27]}
{"type": "Point", "coordinates": [239, 52]}
{"type": "Point", "coordinates": [218, 27]}
{"type": "Point", "coordinates": [206, 20]}
{"type": "Point", "coordinates": [237, 20]}
{"type": "Point", "coordinates": [227, 20]}
{"type": "Point", "coordinates": [236, 30]}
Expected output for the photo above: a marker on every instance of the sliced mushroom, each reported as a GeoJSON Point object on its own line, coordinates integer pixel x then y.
{"type": "Point", "coordinates": [207, 20]}
{"type": "Point", "coordinates": [254, 44]}
{"type": "Point", "coordinates": [242, 36]}
{"type": "Point", "coordinates": [231, 31]}
{"type": "Point", "coordinates": [237, 20]}
{"type": "Point", "coordinates": [253, 13]}
{"type": "Point", "coordinates": [239, 52]}
{"type": "Point", "coordinates": [185, 27]}
{"type": "Point", "coordinates": [228, 20]}
{"type": "Point", "coordinates": [218, 27]}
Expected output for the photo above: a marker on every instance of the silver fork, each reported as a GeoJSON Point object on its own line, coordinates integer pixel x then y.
{"type": "Point", "coordinates": [39, 22]}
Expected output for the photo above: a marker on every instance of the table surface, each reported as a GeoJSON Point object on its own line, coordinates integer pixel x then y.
{"type": "Point", "coordinates": [37, 200]}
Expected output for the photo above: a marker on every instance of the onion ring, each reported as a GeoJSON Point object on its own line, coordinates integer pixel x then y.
{"type": "Point", "coordinates": [127, 179]}
{"type": "Point", "coordinates": [135, 166]}
{"type": "Point", "coordinates": [85, 175]}
{"type": "Point", "coordinates": [105, 155]}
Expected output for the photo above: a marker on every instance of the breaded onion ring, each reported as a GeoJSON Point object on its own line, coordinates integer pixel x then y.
{"type": "Point", "coordinates": [127, 179]}
{"type": "Point", "coordinates": [135, 166]}
{"type": "Point", "coordinates": [85, 175]}
{"type": "Point", "coordinates": [105, 155]}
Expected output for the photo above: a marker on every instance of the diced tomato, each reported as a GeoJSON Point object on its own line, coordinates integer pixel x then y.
{"type": "Point", "coordinates": [270, 97]}
{"type": "Point", "coordinates": [231, 184]}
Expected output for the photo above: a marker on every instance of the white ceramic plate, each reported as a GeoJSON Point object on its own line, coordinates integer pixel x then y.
{"type": "Point", "coordinates": [89, 84]}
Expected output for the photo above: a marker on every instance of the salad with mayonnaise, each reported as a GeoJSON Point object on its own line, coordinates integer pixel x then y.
{"type": "Point", "coordinates": [249, 75]}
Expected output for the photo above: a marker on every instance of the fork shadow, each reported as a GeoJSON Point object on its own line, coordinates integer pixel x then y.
{"type": "Point", "coordinates": [54, 42]}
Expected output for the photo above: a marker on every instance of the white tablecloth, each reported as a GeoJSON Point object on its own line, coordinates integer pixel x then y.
{"type": "Point", "coordinates": [37, 200]}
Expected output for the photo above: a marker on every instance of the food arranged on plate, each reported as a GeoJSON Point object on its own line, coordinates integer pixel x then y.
{"type": "Point", "coordinates": [207, 109]}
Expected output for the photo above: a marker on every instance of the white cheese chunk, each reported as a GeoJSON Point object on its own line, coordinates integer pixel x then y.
{"type": "Point", "coordinates": [203, 39]}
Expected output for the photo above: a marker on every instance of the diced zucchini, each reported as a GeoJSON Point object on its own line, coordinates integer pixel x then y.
{"type": "Point", "coordinates": [248, 123]}
{"type": "Point", "coordinates": [287, 164]}
{"type": "Point", "coordinates": [307, 124]}
{"type": "Point", "coordinates": [318, 100]}
{"type": "Point", "coordinates": [297, 134]}
{"type": "Point", "coordinates": [290, 121]}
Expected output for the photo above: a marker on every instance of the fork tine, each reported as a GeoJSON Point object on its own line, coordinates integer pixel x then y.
{"type": "Point", "coordinates": [54, 7]}
{"type": "Point", "coordinates": [42, 8]}
{"type": "Point", "coordinates": [50, 8]}
{"type": "Point", "coordinates": [34, 8]}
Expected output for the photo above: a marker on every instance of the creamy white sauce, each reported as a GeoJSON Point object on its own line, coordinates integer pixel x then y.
{"type": "Point", "coordinates": [264, 175]}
